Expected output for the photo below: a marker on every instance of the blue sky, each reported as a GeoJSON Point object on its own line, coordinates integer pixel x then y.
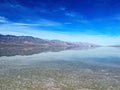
{"type": "Point", "coordinates": [94, 21]}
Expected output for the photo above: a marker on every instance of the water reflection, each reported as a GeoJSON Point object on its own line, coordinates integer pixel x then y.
{"type": "Point", "coordinates": [30, 50]}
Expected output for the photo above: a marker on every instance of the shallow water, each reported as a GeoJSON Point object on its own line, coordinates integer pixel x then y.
{"type": "Point", "coordinates": [34, 68]}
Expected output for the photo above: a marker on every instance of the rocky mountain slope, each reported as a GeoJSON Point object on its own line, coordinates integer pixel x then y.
{"type": "Point", "coordinates": [29, 40]}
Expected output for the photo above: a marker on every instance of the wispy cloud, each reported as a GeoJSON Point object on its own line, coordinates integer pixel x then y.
{"type": "Point", "coordinates": [62, 8]}
{"type": "Point", "coordinates": [70, 14]}
{"type": "Point", "coordinates": [46, 22]}
{"type": "Point", "coordinates": [40, 22]}
{"type": "Point", "coordinates": [76, 17]}
{"type": "Point", "coordinates": [24, 24]}
{"type": "Point", "coordinates": [3, 20]}
{"type": "Point", "coordinates": [73, 14]}
{"type": "Point", "coordinates": [58, 9]}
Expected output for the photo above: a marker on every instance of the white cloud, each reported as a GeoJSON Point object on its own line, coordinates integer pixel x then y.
{"type": "Point", "coordinates": [40, 22]}
{"type": "Point", "coordinates": [3, 20]}
{"type": "Point", "coordinates": [24, 24]}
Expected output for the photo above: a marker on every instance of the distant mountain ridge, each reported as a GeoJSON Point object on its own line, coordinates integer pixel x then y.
{"type": "Point", "coordinates": [115, 46]}
{"type": "Point", "coordinates": [29, 40]}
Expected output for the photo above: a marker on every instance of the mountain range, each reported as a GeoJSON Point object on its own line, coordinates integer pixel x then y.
{"type": "Point", "coordinates": [6, 40]}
